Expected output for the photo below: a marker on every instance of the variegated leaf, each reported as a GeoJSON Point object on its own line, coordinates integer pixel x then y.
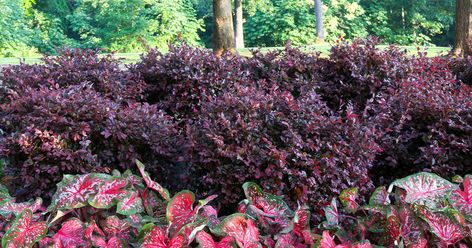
{"type": "Point", "coordinates": [205, 240]}
{"type": "Point", "coordinates": [24, 232]}
{"type": "Point", "coordinates": [116, 227]}
{"type": "Point", "coordinates": [180, 211]}
{"type": "Point", "coordinates": [425, 189]}
{"type": "Point", "coordinates": [241, 228]}
{"type": "Point", "coordinates": [156, 238]}
{"type": "Point", "coordinates": [71, 234]}
{"type": "Point", "coordinates": [8, 208]}
{"type": "Point", "coordinates": [130, 204]}
{"type": "Point", "coordinates": [332, 215]}
{"type": "Point", "coordinates": [74, 191]}
{"type": "Point", "coordinates": [113, 242]}
{"type": "Point", "coordinates": [445, 228]}
{"type": "Point", "coordinates": [348, 198]}
{"type": "Point", "coordinates": [109, 192]}
{"type": "Point", "coordinates": [380, 197]}
{"type": "Point", "coordinates": [151, 184]}
{"type": "Point", "coordinates": [462, 199]}
{"type": "Point", "coordinates": [269, 209]}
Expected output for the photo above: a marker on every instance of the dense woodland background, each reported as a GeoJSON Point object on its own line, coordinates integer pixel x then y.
{"type": "Point", "coordinates": [41, 26]}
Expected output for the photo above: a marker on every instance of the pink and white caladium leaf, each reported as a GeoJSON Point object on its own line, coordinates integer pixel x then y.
{"type": "Point", "coordinates": [301, 225]}
{"type": "Point", "coordinates": [130, 204]}
{"type": "Point", "coordinates": [348, 198]}
{"type": "Point", "coordinates": [156, 238]}
{"type": "Point", "coordinates": [328, 242]}
{"type": "Point", "coordinates": [180, 211]}
{"type": "Point", "coordinates": [116, 227]}
{"type": "Point", "coordinates": [266, 207]}
{"type": "Point", "coordinates": [402, 224]}
{"type": "Point", "coordinates": [380, 197]}
{"type": "Point", "coordinates": [332, 215]}
{"type": "Point", "coordinates": [113, 242]}
{"type": "Point", "coordinates": [205, 240]}
{"type": "Point", "coordinates": [74, 191]}
{"type": "Point", "coordinates": [241, 228]}
{"type": "Point", "coordinates": [109, 193]}
{"type": "Point", "coordinates": [24, 232]}
{"type": "Point", "coordinates": [446, 229]}
{"type": "Point", "coordinates": [150, 183]}
{"type": "Point", "coordinates": [71, 234]}
{"type": "Point", "coordinates": [9, 208]}
{"type": "Point", "coordinates": [92, 230]}
{"type": "Point", "coordinates": [425, 189]}
{"type": "Point", "coordinates": [462, 199]}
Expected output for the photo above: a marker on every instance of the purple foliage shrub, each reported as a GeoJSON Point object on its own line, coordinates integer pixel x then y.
{"type": "Point", "coordinates": [74, 129]}
{"type": "Point", "coordinates": [73, 67]}
{"type": "Point", "coordinates": [292, 146]}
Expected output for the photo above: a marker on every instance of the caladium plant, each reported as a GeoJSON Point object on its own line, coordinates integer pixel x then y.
{"type": "Point", "coordinates": [124, 210]}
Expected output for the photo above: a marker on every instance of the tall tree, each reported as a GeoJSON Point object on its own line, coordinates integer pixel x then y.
{"type": "Point", "coordinates": [238, 23]}
{"type": "Point", "coordinates": [319, 20]}
{"type": "Point", "coordinates": [223, 32]}
{"type": "Point", "coordinates": [463, 40]}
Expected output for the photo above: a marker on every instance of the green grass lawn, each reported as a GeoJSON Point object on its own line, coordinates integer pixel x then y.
{"type": "Point", "coordinates": [324, 49]}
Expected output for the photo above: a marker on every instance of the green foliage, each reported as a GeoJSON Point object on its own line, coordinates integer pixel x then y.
{"type": "Point", "coordinates": [170, 21]}
{"type": "Point", "coordinates": [13, 31]}
{"type": "Point", "coordinates": [404, 22]}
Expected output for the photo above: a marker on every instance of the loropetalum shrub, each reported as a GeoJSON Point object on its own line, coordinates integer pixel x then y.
{"type": "Point", "coordinates": [126, 210]}
{"type": "Point", "coordinates": [359, 72]}
{"type": "Point", "coordinates": [178, 79]}
{"type": "Point", "coordinates": [51, 132]}
{"type": "Point", "coordinates": [295, 147]}
{"type": "Point", "coordinates": [73, 67]}
{"type": "Point", "coordinates": [427, 123]}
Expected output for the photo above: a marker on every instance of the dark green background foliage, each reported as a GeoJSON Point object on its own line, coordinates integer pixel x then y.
{"type": "Point", "coordinates": [41, 26]}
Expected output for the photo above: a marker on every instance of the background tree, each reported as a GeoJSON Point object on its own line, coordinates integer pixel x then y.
{"type": "Point", "coordinates": [223, 34]}
{"type": "Point", "coordinates": [319, 20]}
{"type": "Point", "coordinates": [463, 42]}
{"type": "Point", "coordinates": [238, 23]}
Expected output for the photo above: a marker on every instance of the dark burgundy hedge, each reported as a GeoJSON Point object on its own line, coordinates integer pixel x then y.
{"type": "Point", "coordinates": [300, 124]}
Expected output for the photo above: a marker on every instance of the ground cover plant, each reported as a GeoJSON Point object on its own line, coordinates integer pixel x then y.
{"type": "Point", "coordinates": [127, 210]}
{"type": "Point", "coordinates": [301, 125]}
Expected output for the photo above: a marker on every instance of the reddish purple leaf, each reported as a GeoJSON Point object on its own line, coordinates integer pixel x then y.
{"type": "Point", "coordinates": [71, 234]}
{"type": "Point", "coordinates": [24, 232]}
{"type": "Point", "coordinates": [328, 242]}
{"type": "Point", "coordinates": [113, 242]}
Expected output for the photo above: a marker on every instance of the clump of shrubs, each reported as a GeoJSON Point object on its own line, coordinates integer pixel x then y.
{"type": "Point", "coordinates": [300, 124]}
{"type": "Point", "coordinates": [297, 147]}
{"type": "Point", "coordinates": [75, 129]}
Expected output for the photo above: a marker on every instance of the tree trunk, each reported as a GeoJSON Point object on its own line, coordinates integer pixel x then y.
{"type": "Point", "coordinates": [463, 39]}
{"type": "Point", "coordinates": [223, 34]}
{"type": "Point", "coordinates": [238, 23]}
{"type": "Point", "coordinates": [319, 20]}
